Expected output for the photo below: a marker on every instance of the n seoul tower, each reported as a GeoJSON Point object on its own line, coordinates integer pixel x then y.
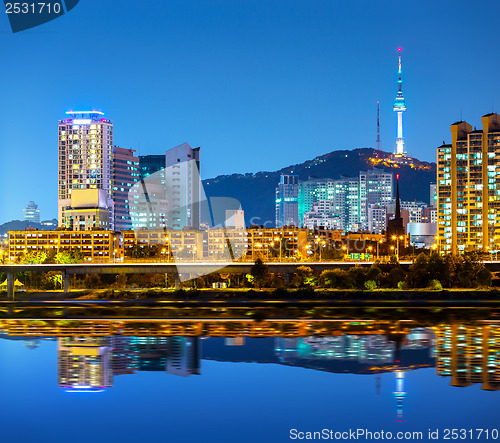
{"type": "Point", "coordinates": [400, 107]}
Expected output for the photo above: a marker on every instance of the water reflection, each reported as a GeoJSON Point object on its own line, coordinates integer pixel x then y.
{"type": "Point", "coordinates": [469, 354]}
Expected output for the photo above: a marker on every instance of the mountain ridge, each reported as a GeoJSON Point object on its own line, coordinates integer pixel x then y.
{"type": "Point", "coordinates": [415, 179]}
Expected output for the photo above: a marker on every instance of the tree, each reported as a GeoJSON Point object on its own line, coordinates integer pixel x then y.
{"type": "Point", "coordinates": [260, 273]}
{"type": "Point", "coordinates": [74, 255]}
{"type": "Point", "coordinates": [91, 281]}
{"type": "Point", "coordinates": [37, 257]}
{"type": "Point", "coordinates": [304, 277]}
{"type": "Point", "coordinates": [418, 276]}
{"type": "Point", "coordinates": [484, 277]}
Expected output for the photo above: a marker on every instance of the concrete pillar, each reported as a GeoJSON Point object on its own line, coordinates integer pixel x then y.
{"type": "Point", "coordinates": [66, 282]}
{"type": "Point", "coordinates": [10, 285]}
{"type": "Point", "coordinates": [177, 281]}
{"type": "Point", "coordinates": [288, 278]}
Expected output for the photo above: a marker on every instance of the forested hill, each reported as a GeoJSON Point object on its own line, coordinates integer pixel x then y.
{"type": "Point", "coordinates": [256, 192]}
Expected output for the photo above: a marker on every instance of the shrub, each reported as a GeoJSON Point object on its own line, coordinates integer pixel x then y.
{"type": "Point", "coordinates": [402, 285]}
{"type": "Point", "coordinates": [370, 285]}
{"type": "Point", "coordinates": [436, 285]}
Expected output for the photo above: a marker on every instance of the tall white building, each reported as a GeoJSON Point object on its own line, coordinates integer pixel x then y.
{"type": "Point", "coordinates": [377, 218]}
{"type": "Point", "coordinates": [85, 163]}
{"type": "Point", "coordinates": [184, 192]}
{"type": "Point", "coordinates": [375, 188]}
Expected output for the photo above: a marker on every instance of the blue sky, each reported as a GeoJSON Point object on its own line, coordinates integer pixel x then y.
{"type": "Point", "coordinates": [258, 85]}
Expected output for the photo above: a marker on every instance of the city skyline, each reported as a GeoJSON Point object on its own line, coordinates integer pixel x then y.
{"type": "Point", "coordinates": [249, 79]}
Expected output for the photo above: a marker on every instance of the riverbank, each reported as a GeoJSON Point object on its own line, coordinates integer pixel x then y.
{"type": "Point", "coordinates": [250, 295]}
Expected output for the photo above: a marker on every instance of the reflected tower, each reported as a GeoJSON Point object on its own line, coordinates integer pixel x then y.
{"type": "Point", "coordinates": [399, 393]}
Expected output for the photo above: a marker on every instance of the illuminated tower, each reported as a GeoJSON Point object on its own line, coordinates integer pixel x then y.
{"type": "Point", "coordinates": [400, 107]}
{"type": "Point", "coordinates": [85, 194]}
{"type": "Point", "coordinates": [400, 393]}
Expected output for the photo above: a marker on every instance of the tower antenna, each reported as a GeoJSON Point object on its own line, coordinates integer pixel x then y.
{"type": "Point", "coordinates": [378, 127]}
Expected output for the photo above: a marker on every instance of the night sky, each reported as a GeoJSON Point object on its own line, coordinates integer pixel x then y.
{"type": "Point", "coordinates": [258, 85]}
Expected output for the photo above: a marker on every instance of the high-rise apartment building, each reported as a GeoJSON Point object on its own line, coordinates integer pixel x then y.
{"type": "Point", "coordinates": [31, 212]}
{"type": "Point", "coordinates": [468, 188]}
{"type": "Point", "coordinates": [312, 191]}
{"type": "Point", "coordinates": [85, 163]}
{"type": "Point", "coordinates": [125, 176]}
{"type": "Point", "coordinates": [184, 192]}
{"type": "Point", "coordinates": [347, 203]}
{"type": "Point", "coordinates": [375, 188]}
{"type": "Point", "coordinates": [287, 207]}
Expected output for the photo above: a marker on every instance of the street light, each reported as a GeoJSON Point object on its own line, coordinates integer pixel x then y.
{"type": "Point", "coordinates": [168, 248]}
{"type": "Point", "coordinates": [394, 237]}
{"type": "Point", "coordinates": [379, 242]}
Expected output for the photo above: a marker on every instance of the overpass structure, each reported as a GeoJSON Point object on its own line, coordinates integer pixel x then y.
{"type": "Point", "coordinates": [192, 269]}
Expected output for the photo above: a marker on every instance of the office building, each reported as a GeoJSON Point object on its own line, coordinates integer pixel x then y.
{"type": "Point", "coordinates": [468, 188]}
{"type": "Point", "coordinates": [375, 188]}
{"type": "Point", "coordinates": [85, 163]}
{"type": "Point", "coordinates": [125, 175]}
{"type": "Point", "coordinates": [184, 192]}
{"type": "Point", "coordinates": [287, 209]}
{"type": "Point", "coordinates": [31, 213]}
